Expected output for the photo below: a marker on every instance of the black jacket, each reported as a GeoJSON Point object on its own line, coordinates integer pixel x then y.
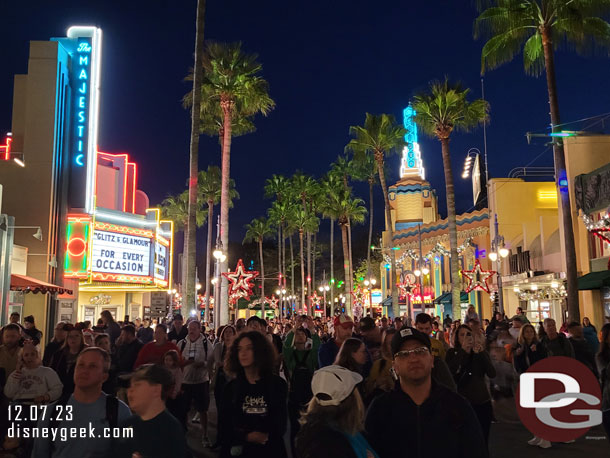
{"type": "Point", "coordinates": [319, 440]}
{"type": "Point", "coordinates": [126, 355]}
{"type": "Point", "coordinates": [397, 427]}
{"type": "Point", "coordinates": [528, 357]}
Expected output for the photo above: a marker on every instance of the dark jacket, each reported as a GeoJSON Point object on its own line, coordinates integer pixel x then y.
{"type": "Point", "coordinates": [254, 407]}
{"type": "Point", "coordinates": [126, 355]}
{"type": "Point", "coordinates": [318, 440]}
{"type": "Point", "coordinates": [559, 346]}
{"type": "Point", "coordinates": [469, 371]}
{"type": "Point", "coordinates": [397, 427]}
{"type": "Point", "coordinates": [51, 348]}
{"type": "Point", "coordinates": [114, 331]}
{"type": "Point", "coordinates": [328, 353]}
{"type": "Point", "coordinates": [523, 361]}
{"type": "Point", "coordinates": [583, 353]}
{"type": "Point", "coordinates": [34, 334]}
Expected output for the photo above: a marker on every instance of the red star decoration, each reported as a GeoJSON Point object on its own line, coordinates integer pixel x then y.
{"type": "Point", "coordinates": [602, 233]}
{"type": "Point", "coordinates": [273, 301]}
{"type": "Point", "coordinates": [477, 278]}
{"type": "Point", "coordinates": [359, 295]}
{"type": "Point", "coordinates": [315, 299]}
{"type": "Point", "coordinates": [240, 281]}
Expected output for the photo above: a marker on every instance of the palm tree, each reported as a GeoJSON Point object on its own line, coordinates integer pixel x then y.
{"type": "Point", "coordinates": [366, 170]}
{"type": "Point", "coordinates": [304, 222]}
{"type": "Point", "coordinates": [540, 27]}
{"type": "Point", "coordinates": [209, 183]}
{"type": "Point", "coordinates": [232, 81]}
{"type": "Point", "coordinates": [176, 208]}
{"type": "Point", "coordinates": [440, 111]}
{"type": "Point", "coordinates": [257, 231]}
{"type": "Point", "coordinates": [305, 188]}
{"type": "Point", "coordinates": [348, 210]}
{"type": "Point", "coordinates": [380, 136]}
{"type": "Point", "coordinates": [193, 201]}
{"type": "Point", "coordinates": [331, 186]}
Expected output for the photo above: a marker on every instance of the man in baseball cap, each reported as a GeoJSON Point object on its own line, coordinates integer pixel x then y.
{"type": "Point", "coordinates": [419, 407]}
{"type": "Point", "coordinates": [150, 385]}
{"type": "Point", "coordinates": [344, 327]}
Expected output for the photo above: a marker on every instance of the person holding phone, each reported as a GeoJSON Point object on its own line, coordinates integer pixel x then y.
{"type": "Point", "coordinates": [469, 363]}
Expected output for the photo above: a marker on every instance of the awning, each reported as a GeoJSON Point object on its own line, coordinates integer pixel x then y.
{"type": "Point", "coordinates": [446, 298]}
{"type": "Point", "coordinates": [387, 302]}
{"type": "Point", "coordinates": [32, 285]}
{"type": "Point", "coordinates": [594, 280]}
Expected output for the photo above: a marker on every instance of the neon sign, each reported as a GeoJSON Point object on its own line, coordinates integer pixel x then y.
{"type": "Point", "coordinates": [84, 46]}
{"type": "Point", "coordinates": [411, 164]}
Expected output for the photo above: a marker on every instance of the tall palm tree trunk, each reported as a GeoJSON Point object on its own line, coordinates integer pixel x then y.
{"type": "Point", "coordinates": [368, 250]}
{"type": "Point", "coordinates": [309, 285]}
{"type": "Point", "coordinates": [560, 173]}
{"type": "Point", "coordinates": [208, 258]}
{"type": "Point", "coordinates": [260, 254]}
{"type": "Point", "coordinates": [291, 270]}
{"type": "Point", "coordinates": [279, 254]}
{"type": "Point", "coordinates": [313, 261]}
{"type": "Point", "coordinates": [303, 304]}
{"type": "Point", "coordinates": [348, 294]}
{"type": "Point", "coordinates": [332, 267]}
{"type": "Point", "coordinates": [226, 106]}
{"type": "Point", "coordinates": [351, 265]}
{"type": "Point", "coordinates": [191, 230]}
{"type": "Point", "coordinates": [456, 284]}
{"type": "Point", "coordinates": [388, 225]}
{"type": "Point", "coordinates": [283, 262]}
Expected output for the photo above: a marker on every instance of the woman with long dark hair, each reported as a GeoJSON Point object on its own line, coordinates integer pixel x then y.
{"type": "Point", "coordinates": [254, 403]}
{"type": "Point", "coordinates": [603, 368]}
{"type": "Point", "coordinates": [469, 363]}
{"type": "Point", "coordinates": [529, 349]}
{"type": "Point", "coordinates": [64, 361]}
{"type": "Point", "coordinates": [352, 355]}
{"type": "Point", "coordinates": [111, 327]}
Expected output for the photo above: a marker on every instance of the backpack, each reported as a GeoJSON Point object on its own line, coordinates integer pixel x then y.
{"type": "Point", "coordinates": [205, 346]}
{"type": "Point", "coordinates": [112, 414]}
{"type": "Point", "coordinates": [300, 380]}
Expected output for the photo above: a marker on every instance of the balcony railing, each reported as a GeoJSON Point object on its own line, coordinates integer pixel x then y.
{"type": "Point", "coordinates": [519, 262]}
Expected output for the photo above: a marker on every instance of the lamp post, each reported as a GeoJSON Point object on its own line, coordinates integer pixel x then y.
{"type": "Point", "coordinates": [220, 257]}
{"type": "Point", "coordinates": [324, 289]}
{"type": "Point", "coordinates": [498, 251]}
{"type": "Point", "coordinates": [369, 286]}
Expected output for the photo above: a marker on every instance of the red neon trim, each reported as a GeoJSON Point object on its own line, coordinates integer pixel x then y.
{"type": "Point", "coordinates": [113, 157]}
{"type": "Point", "coordinates": [7, 148]}
{"type": "Point", "coordinates": [133, 191]}
{"type": "Point", "coordinates": [123, 229]}
{"type": "Point", "coordinates": [122, 278]}
{"type": "Point", "coordinates": [77, 239]}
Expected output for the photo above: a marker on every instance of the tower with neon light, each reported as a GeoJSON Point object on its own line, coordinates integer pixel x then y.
{"type": "Point", "coordinates": [411, 163]}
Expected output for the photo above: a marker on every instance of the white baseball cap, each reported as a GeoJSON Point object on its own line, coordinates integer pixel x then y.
{"type": "Point", "coordinates": [337, 382]}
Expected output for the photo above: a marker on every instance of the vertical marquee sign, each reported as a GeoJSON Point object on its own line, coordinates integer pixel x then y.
{"type": "Point", "coordinates": [411, 163]}
{"type": "Point", "coordinates": [85, 44]}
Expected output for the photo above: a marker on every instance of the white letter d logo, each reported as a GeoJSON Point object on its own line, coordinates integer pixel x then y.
{"type": "Point", "coordinates": [527, 389]}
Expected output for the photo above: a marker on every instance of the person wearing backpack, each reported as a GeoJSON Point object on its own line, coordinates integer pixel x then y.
{"type": "Point", "coordinates": [300, 362]}
{"type": "Point", "coordinates": [87, 407]}
{"type": "Point", "coordinates": [196, 353]}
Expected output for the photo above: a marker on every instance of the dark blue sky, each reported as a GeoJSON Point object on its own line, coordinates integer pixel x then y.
{"type": "Point", "coordinates": [327, 64]}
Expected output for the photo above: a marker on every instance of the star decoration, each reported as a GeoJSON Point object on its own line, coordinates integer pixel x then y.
{"type": "Point", "coordinates": [272, 301]}
{"type": "Point", "coordinates": [477, 278]}
{"type": "Point", "coordinates": [240, 281]}
{"type": "Point", "coordinates": [315, 299]}
{"type": "Point", "coordinates": [359, 295]}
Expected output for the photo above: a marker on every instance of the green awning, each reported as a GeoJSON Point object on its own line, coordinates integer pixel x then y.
{"type": "Point", "coordinates": [447, 299]}
{"type": "Point", "coordinates": [594, 280]}
{"type": "Point", "coordinates": [387, 302]}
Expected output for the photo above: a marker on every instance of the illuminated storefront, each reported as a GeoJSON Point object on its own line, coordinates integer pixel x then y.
{"type": "Point", "coordinates": [100, 238]}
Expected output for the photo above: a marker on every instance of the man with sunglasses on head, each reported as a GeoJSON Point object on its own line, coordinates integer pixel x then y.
{"type": "Point", "coordinates": [419, 409]}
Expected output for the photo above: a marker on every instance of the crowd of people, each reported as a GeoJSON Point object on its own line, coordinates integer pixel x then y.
{"type": "Point", "coordinates": [303, 387]}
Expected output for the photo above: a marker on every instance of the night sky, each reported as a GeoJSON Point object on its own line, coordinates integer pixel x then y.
{"type": "Point", "coordinates": [327, 64]}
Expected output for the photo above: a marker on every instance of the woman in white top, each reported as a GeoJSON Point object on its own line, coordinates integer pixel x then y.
{"type": "Point", "coordinates": [32, 382]}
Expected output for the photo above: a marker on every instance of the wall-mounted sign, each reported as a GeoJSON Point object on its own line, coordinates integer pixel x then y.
{"type": "Point", "coordinates": [120, 254]}
{"type": "Point", "coordinates": [160, 262]}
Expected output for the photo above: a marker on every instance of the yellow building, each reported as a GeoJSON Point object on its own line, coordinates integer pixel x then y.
{"type": "Point", "coordinates": [588, 173]}
{"type": "Point", "coordinates": [532, 273]}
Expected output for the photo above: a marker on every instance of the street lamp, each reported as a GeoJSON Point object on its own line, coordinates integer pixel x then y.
{"type": "Point", "coordinates": [425, 271]}
{"type": "Point", "coordinates": [498, 252]}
